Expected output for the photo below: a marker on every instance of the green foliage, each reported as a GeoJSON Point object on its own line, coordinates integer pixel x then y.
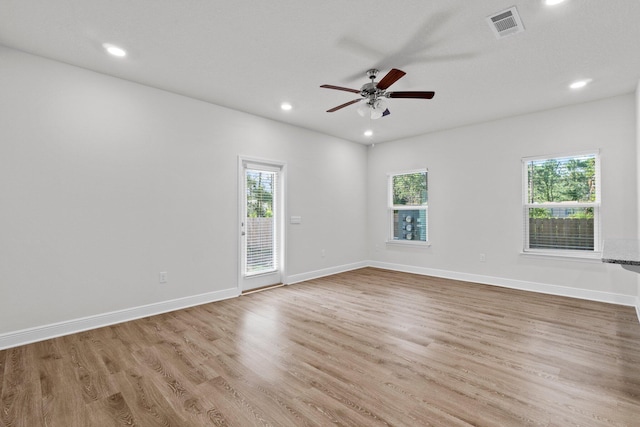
{"type": "Point", "coordinates": [539, 213]}
{"type": "Point", "coordinates": [562, 180]}
{"type": "Point", "coordinates": [571, 213]}
{"type": "Point", "coordinates": [410, 189]}
{"type": "Point", "coordinates": [260, 194]}
{"type": "Point", "coordinates": [582, 213]}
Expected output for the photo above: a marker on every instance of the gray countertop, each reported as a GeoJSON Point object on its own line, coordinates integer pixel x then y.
{"type": "Point", "coordinates": [621, 251]}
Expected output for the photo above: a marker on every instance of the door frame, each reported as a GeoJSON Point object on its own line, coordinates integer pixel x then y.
{"type": "Point", "coordinates": [280, 218]}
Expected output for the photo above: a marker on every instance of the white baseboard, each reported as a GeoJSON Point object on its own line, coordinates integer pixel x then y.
{"type": "Point", "coordinates": [544, 288]}
{"type": "Point", "coordinates": [297, 278]}
{"type": "Point", "coordinates": [40, 333]}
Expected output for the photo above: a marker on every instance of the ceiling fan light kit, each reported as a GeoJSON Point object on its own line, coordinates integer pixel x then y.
{"type": "Point", "coordinates": [375, 94]}
{"type": "Point", "coordinates": [375, 109]}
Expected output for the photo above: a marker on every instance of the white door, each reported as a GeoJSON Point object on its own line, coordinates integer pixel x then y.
{"type": "Point", "coordinates": [261, 224]}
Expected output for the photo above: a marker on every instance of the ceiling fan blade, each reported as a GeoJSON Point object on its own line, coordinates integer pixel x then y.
{"type": "Point", "coordinates": [411, 94]}
{"type": "Point", "coordinates": [392, 76]}
{"type": "Point", "coordinates": [346, 104]}
{"type": "Point", "coordinates": [340, 88]}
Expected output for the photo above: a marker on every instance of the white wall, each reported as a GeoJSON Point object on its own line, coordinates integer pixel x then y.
{"type": "Point", "coordinates": [475, 196]}
{"type": "Point", "coordinates": [638, 179]}
{"type": "Point", "coordinates": [104, 183]}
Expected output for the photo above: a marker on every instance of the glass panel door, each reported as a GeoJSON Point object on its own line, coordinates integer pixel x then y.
{"type": "Point", "coordinates": [261, 225]}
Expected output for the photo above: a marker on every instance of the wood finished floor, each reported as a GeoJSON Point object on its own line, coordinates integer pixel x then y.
{"type": "Point", "coordinates": [364, 348]}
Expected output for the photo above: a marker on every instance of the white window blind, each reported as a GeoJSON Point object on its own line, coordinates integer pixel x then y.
{"type": "Point", "coordinates": [562, 204]}
{"type": "Point", "coordinates": [261, 243]}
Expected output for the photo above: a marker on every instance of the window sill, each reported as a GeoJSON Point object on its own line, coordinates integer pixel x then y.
{"type": "Point", "coordinates": [408, 243]}
{"type": "Point", "coordinates": [569, 255]}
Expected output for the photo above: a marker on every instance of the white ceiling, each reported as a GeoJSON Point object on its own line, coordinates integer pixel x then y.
{"type": "Point", "coordinates": [251, 55]}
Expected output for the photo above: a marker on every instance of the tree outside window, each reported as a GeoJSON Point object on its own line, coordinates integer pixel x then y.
{"type": "Point", "coordinates": [562, 203]}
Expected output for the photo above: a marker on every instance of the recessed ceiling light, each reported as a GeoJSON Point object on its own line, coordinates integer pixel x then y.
{"type": "Point", "coordinates": [115, 50]}
{"type": "Point", "coordinates": [553, 2]}
{"type": "Point", "coordinates": [578, 84]}
{"type": "Point", "coordinates": [368, 133]}
{"type": "Point", "coordinates": [286, 106]}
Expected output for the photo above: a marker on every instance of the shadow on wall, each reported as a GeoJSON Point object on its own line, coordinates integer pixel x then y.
{"type": "Point", "coordinates": [634, 268]}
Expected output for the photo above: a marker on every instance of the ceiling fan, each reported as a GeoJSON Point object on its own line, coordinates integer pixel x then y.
{"type": "Point", "coordinates": [375, 94]}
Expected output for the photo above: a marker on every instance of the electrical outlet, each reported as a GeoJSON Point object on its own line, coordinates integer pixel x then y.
{"type": "Point", "coordinates": [162, 276]}
{"type": "Point", "coordinates": [322, 253]}
{"type": "Point", "coordinates": [483, 258]}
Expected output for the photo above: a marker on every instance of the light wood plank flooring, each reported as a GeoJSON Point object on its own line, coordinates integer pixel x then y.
{"type": "Point", "coordinates": [364, 348]}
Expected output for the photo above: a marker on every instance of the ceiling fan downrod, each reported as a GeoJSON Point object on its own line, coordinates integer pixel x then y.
{"type": "Point", "coordinates": [370, 90]}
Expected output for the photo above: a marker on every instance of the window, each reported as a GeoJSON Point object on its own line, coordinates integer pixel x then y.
{"type": "Point", "coordinates": [562, 204]}
{"type": "Point", "coordinates": [408, 207]}
{"type": "Point", "coordinates": [260, 222]}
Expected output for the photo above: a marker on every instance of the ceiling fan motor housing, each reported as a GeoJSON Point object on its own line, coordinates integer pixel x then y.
{"type": "Point", "coordinates": [372, 93]}
{"type": "Point", "coordinates": [369, 90]}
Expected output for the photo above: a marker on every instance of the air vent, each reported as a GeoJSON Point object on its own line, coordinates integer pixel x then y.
{"type": "Point", "coordinates": [506, 23]}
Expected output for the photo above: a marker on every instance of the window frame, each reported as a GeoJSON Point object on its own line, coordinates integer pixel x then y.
{"type": "Point", "coordinates": [595, 205]}
{"type": "Point", "coordinates": [391, 207]}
